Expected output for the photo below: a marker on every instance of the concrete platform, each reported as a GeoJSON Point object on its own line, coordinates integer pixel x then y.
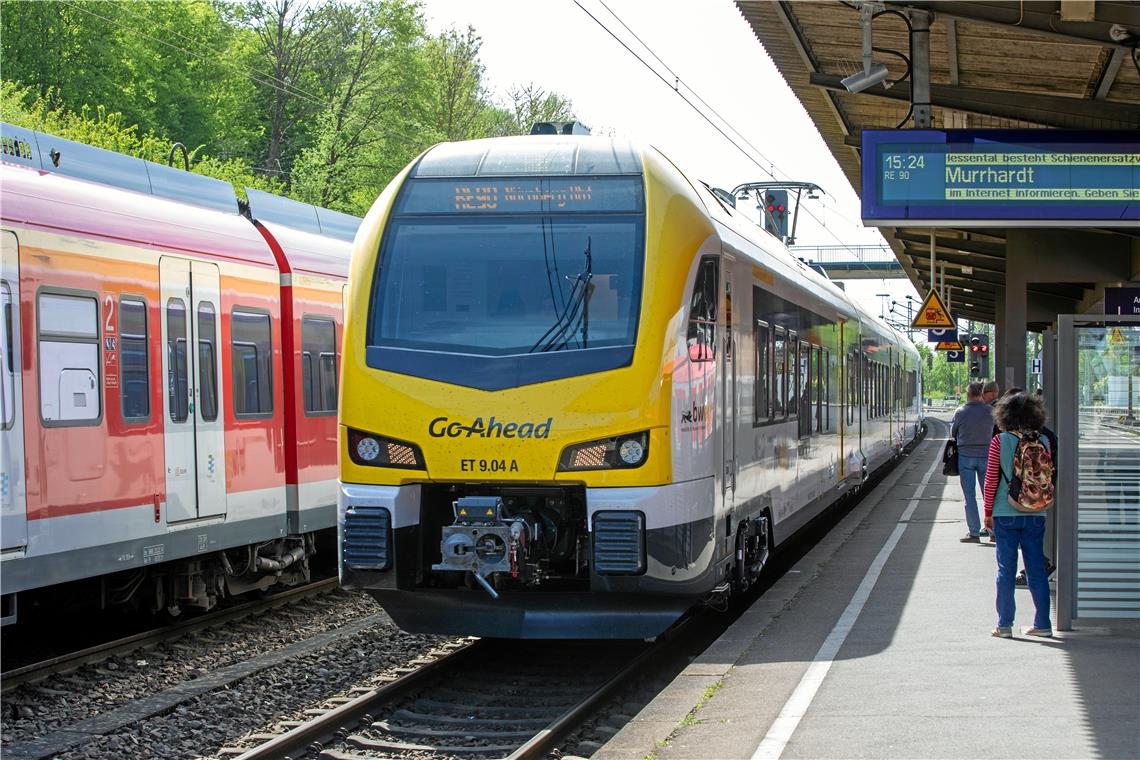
{"type": "Point", "coordinates": [877, 645]}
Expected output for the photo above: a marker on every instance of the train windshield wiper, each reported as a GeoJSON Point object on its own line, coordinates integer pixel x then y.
{"type": "Point", "coordinates": [577, 309]}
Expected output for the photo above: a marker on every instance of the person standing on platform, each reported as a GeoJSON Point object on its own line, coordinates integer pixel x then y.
{"type": "Point", "coordinates": [990, 392]}
{"type": "Point", "coordinates": [970, 429]}
{"type": "Point", "coordinates": [1017, 415]}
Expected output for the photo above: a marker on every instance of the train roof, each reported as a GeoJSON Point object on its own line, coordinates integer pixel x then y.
{"type": "Point", "coordinates": [62, 203]}
{"type": "Point", "coordinates": [49, 154]}
{"type": "Point", "coordinates": [553, 155]}
{"type": "Point", "coordinates": [311, 253]}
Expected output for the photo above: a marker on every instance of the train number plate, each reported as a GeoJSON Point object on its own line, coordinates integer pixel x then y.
{"type": "Point", "coordinates": [488, 465]}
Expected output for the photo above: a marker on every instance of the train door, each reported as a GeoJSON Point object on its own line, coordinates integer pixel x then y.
{"type": "Point", "coordinates": [191, 362]}
{"type": "Point", "coordinates": [13, 505]}
{"type": "Point", "coordinates": [728, 404]}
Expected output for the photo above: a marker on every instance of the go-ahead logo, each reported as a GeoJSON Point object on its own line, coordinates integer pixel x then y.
{"type": "Point", "coordinates": [442, 427]}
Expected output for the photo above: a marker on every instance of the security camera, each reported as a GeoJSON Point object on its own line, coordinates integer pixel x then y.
{"type": "Point", "coordinates": [861, 80]}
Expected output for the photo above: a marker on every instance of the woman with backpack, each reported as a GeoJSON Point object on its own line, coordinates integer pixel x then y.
{"type": "Point", "coordinates": [1018, 490]}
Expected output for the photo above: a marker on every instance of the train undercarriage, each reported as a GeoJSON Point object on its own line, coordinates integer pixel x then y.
{"type": "Point", "coordinates": [195, 584]}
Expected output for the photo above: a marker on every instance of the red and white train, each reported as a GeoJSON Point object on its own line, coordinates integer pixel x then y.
{"type": "Point", "coordinates": [168, 381]}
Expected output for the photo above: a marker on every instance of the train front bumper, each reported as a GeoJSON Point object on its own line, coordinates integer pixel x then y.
{"type": "Point", "coordinates": [651, 558]}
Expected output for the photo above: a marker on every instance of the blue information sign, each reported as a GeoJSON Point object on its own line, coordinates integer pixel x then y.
{"type": "Point", "coordinates": [993, 177]}
{"type": "Point", "coordinates": [955, 357]}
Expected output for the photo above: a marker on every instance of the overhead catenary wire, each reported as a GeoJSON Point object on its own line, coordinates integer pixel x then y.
{"type": "Point", "coordinates": [703, 102]}
{"type": "Point", "coordinates": [658, 74]}
{"type": "Point", "coordinates": [674, 86]}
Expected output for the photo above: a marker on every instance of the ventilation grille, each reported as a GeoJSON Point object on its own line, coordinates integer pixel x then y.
{"type": "Point", "coordinates": [366, 542]}
{"type": "Point", "coordinates": [619, 543]}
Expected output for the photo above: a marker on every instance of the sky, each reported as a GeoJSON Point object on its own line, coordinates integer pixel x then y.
{"type": "Point", "coordinates": [708, 52]}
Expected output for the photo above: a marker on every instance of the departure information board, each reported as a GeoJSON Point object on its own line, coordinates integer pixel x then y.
{"type": "Point", "coordinates": [1033, 177]}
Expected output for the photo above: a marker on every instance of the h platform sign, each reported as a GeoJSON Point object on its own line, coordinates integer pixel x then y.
{"type": "Point", "coordinates": [1124, 301]}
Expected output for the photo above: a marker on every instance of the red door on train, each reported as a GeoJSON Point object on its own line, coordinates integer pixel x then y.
{"type": "Point", "coordinates": [13, 496]}
{"type": "Point", "coordinates": [194, 438]}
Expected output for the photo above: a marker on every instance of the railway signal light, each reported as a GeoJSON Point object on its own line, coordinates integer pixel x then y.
{"type": "Point", "coordinates": [975, 368]}
{"type": "Point", "coordinates": [975, 344]}
{"type": "Point", "coordinates": [776, 212]}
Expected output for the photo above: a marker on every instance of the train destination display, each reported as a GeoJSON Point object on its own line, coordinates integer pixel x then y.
{"type": "Point", "coordinates": [985, 177]}
{"type": "Point", "coordinates": [489, 195]}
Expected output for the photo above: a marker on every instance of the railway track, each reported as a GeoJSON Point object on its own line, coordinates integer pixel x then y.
{"type": "Point", "coordinates": [486, 698]}
{"type": "Point", "coordinates": [66, 663]}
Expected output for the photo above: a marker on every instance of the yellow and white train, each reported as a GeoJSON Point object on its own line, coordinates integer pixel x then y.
{"type": "Point", "coordinates": [581, 394]}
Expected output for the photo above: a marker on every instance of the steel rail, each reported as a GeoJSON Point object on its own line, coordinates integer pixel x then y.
{"type": "Point", "coordinates": [545, 740]}
{"type": "Point", "coordinates": [65, 663]}
{"type": "Point", "coordinates": [313, 734]}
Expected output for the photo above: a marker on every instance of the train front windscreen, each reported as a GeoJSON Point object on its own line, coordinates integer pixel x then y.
{"type": "Point", "coordinates": [516, 276]}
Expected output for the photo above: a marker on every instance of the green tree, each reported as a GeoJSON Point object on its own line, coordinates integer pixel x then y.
{"type": "Point", "coordinates": [373, 124]}
{"type": "Point", "coordinates": [159, 64]}
{"type": "Point", "coordinates": [530, 103]}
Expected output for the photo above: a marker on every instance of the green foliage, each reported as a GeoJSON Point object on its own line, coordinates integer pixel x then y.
{"type": "Point", "coordinates": [323, 100]}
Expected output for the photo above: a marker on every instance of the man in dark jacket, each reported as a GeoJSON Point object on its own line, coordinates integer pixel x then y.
{"type": "Point", "coordinates": [971, 428]}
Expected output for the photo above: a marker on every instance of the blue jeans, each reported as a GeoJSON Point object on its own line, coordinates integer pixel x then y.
{"type": "Point", "coordinates": [971, 469]}
{"type": "Point", "coordinates": [1026, 532]}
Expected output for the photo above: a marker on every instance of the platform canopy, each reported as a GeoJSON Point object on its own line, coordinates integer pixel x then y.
{"type": "Point", "coordinates": [993, 65]}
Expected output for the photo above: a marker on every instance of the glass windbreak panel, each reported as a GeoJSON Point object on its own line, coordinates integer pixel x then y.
{"type": "Point", "coordinates": [134, 369]}
{"type": "Point", "coordinates": [179, 381]}
{"type": "Point", "coordinates": [1108, 472]}
{"type": "Point", "coordinates": [497, 286]}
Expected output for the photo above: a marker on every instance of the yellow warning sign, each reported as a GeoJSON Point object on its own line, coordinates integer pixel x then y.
{"type": "Point", "coordinates": [1115, 337]}
{"type": "Point", "coordinates": [949, 345]}
{"type": "Point", "coordinates": [932, 314]}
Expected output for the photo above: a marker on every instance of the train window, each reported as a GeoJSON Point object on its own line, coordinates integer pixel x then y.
{"type": "Point", "coordinates": [252, 354]}
{"type": "Point", "coordinates": [328, 380]}
{"type": "Point", "coordinates": [318, 364]}
{"type": "Point", "coordinates": [803, 388]}
{"type": "Point", "coordinates": [207, 361]}
{"type": "Point", "coordinates": [178, 382]}
{"type": "Point", "coordinates": [852, 385]}
{"type": "Point", "coordinates": [792, 381]}
{"type": "Point", "coordinates": [761, 395]}
{"type": "Point", "coordinates": [68, 344]}
{"type": "Point", "coordinates": [8, 376]}
{"type": "Point", "coordinates": [134, 366]}
{"type": "Point", "coordinates": [818, 375]}
{"type": "Point", "coordinates": [779, 361]}
{"type": "Point", "coordinates": [703, 312]}
{"type": "Point", "coordinates": [827, 390]}
{"type": "Point", "coordinates": [307, 377]}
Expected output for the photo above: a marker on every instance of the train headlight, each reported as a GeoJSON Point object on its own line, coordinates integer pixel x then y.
{"type": "Point", "coordinates": [378, 451]}
{"type": "Point", "coordinates": [367, 449]}
{"type": "Point", "coordinates": [631, 452]}
{"type": "Point", "coordinates": [619, 452]}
